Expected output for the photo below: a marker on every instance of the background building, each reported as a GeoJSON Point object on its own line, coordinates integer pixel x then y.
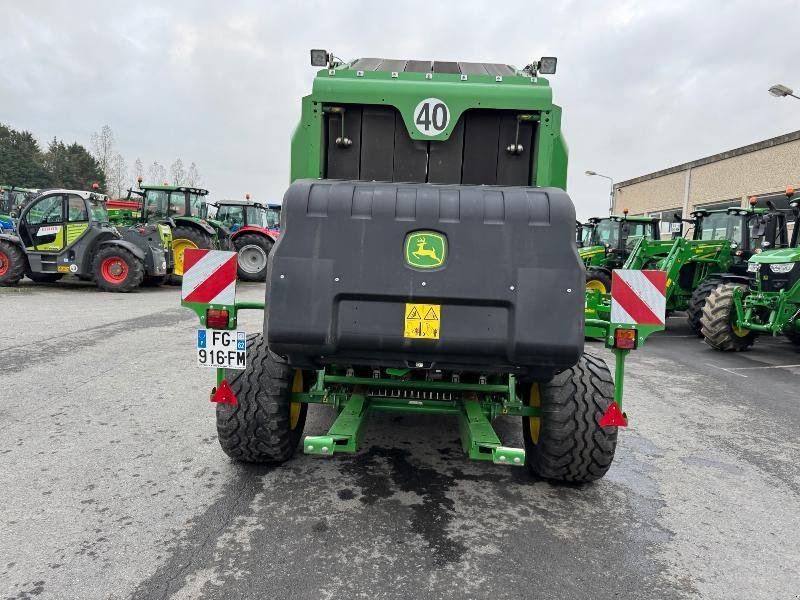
{"type": "Point", "coordinates": [764, 169]}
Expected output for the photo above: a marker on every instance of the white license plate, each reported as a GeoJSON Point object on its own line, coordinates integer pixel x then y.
{"type": "Point", "coordinates": [221, 349]}
{"type": "Point", "coordinates": [752, 267]}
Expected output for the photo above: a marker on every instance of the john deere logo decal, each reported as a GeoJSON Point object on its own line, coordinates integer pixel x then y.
{"type": "Point", "coordinates": [426, 249]}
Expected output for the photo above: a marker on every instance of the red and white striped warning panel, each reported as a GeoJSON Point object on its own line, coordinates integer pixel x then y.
{"type": "Point", "coordinates": [209, 276]}
{"type": "Point", "coordinates": [638, 297]}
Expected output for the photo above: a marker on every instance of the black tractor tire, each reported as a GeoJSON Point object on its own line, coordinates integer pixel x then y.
{"type": "Point", "coordinates": [258, 429]}
{"type": "Point", "coordinates": [43, 277]}
{"type": "Point", "coordinates": [717, 322]}
{"type": "Point", "coordinates": [116, 269]}
{"type": "Point", "coordinates": [598, 279]}
{"type": "Point", "coordinates": [13, 263]}
{"type": "Point", "coordinates": [793, 336]}
{"type": "Point", "coordinates": [154, 280]}
{"type": "Point", "coordinates": [694, 312]}
{"type": "Point", "coordinates": [253, 250]}
{"type": "Point", "coordinates": [570, 445]}
{"type": "Point", "coordinates": [200, 239]}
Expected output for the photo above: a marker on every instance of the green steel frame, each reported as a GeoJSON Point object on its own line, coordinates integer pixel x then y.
{"type": "Point", "coordinates": [476, 405]}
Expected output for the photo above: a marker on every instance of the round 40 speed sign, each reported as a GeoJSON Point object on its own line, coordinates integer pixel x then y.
{"type": "Point", "coordinates": [431, 116]}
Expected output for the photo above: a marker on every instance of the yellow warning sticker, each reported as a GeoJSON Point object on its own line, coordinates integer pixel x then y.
{"type": "Point", "coordinates": [63, 268]}
{"type": "Point", "coordinates": [422, 321]}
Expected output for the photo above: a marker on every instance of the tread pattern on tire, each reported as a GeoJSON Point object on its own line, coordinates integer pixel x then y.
{"type": "Point", "coordinates": [572, 446]}
{"type": "Point", "coordinates": [717, 328]}
{"type": "Point", "coordinates": [257, 429]}
{"type": "Point", "coordinates": [593, 273]}
{"type": "Point", "coordinates": [199, 238]}
{"type": "Point", "coordinates": [135, 269]}
{"type": "Point", "coordinates": [17, 263]}
{"type": "Point", "coordinates": [253, 239]}
{"type": "Point", "coordinates": [694, 312]}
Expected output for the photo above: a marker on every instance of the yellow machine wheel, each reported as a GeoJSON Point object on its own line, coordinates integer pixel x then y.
{"type": "Point", "coordinates": [296, 408]}
{"type": "Point", "coordinates": [594, 284]}
{"type": "Point", "coordinates": [534, 423]}
{"type": "Point", "coordinates": [178, 248]}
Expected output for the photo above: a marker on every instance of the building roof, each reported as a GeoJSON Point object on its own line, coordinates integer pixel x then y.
{"type": "Point", "coordinates": [776, 141]}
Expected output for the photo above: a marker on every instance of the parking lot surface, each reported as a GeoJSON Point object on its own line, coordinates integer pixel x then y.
{"type": "Point", "coordinates": [112, 484]}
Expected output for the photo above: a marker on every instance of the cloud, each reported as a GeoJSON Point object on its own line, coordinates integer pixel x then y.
{"type": "Point", "coordinates": [644, 85]}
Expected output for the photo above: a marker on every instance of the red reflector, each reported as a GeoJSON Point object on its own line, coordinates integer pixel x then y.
{"type": "Point", "coordinates": [224, 394]}
{"type": "Point", "coordinates": [217, 318]}
{"type": "Point", "coordinates": [625, 339]}
{"type": "Point", "coordinates": [613, 417]}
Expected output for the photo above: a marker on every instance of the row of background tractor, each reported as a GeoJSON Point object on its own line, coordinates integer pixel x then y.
{"type": "Point", "coordinates": [121, 244]}
{"type": "Point", "coordinates": [248, 227]}
{"type": "Point", "coordinates": [721, 244]}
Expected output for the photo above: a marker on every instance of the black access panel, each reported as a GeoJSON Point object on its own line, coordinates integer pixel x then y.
{"type": "Point", "coordinates": [377, 137]}
{"type": "Point", "coordinates": [481, 138]}
{"type": "Point", "coordinates": [514, 168]}
{"type": "Point", "coordinates": [444, 164]}
{"type": "Point", "coordinates": [342, 159]}
{"type": "Point", "coordinates": [410, 156]}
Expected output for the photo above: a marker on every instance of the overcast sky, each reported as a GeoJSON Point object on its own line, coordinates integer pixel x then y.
{"type": "Point", "coordinates": [644, 85]}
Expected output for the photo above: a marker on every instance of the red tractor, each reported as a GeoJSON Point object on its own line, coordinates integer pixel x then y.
{"type": "Point", "coordinates": [254, 228]}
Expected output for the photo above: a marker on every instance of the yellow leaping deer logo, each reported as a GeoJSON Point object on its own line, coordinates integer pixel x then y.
{"type": "Point", "coordinates": [423, 251]}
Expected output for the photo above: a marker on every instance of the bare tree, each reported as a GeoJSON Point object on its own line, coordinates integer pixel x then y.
{"type": "Point", "coordinates": [138, 170]}
{"type": "Point", "coordinates": [156, 173]}
{"type": "Point", "coordinates": [102, 143]}
{"type": "Point", "coordinates": [178, 172]}
{"type": "Point", "coordinates": [117, 176]}
{"type": "Point", "coordinates": [193, 178]}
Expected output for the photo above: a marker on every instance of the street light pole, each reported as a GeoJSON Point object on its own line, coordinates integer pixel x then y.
{"type": "Point", "coordinates": [780, 91]}
{"type": "Point", "coordinates": [611, 195]}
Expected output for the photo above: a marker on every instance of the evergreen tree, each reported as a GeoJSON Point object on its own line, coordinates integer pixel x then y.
{"type": "Point", "coordinates": [21, 160]}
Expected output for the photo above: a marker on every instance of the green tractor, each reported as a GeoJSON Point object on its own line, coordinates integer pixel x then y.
{"type": "Point", "coordinates": [721, 244]}
{"type": "Point", "coordinates": [764, 301]}
{"type": "Point", "coordinates": [62, 232]}
{"type": "Point", "coordinates": [409, 177]}
{"type": "Point", "coordinates": [607, 242]}
{"type": "Point", "coordinates": [186, 207]}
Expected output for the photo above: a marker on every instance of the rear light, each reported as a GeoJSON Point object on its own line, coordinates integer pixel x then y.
{"type": "Point", "coordinates": [217, 318]}
{"type": "Point", "coordinates": [625, 339]}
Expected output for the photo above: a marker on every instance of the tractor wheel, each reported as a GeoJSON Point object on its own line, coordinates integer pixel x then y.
{"type": "Point", "coordinates": [184, 238]}
{"type": "Point", "coordinates": [264, 426]}
{"type": "Point", "coordinates": [566, 443]}
{"type": "Point", "coordinates": [694, 312]}
{"type": "Point", "coordinates": [117, 269]}
{"type": "Point", "coordinates": [12, 263]}
{"type": "Point", "coordinates": [718, 327]}
{"type": "Point", "coordinates": [43, 277]}
{"type": "Point", "coordinates": [251, 262]}
{"type": "Point", "coordinates": [597, 279]}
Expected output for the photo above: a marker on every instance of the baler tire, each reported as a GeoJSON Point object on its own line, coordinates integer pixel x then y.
{"type": "Point", "coordinates": [598, 277]}
{"type": "Point", "coordinates": [258, 429]}
{"type": "Point", "coordinates": [571, 445]}
{"type": "Point", "coordinates": [12, 263]}
{"type": "Point", "coordinates": [257, 241]}
{"type": "Point", "coordinates": [694, 312]}
{"type": "Point", "coordinates": [717, 328]}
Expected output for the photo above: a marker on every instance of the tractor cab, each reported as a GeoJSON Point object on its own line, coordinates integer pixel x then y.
{"type": "Point", "coordinates": [609, 239]}
{"type": "Point", "coordinates": [583, 233]}
{"type": "Point", "coordinates": [253, 231]}
{"type": "Point", "coordinates": [749, 230]}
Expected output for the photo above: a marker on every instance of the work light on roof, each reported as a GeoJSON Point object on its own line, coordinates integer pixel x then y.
{"type": "Point", "coordinates": [547, 65]}
{"type": "Point", "coordinates": [320, 58]}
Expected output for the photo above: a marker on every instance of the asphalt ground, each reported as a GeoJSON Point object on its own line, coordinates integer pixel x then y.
{"type": "Point", "coordinates": [112, 484]}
